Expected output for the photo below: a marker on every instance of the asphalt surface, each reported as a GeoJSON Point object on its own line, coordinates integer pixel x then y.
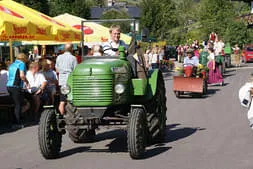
{"type": "Point", "coordinates": [202, 133]}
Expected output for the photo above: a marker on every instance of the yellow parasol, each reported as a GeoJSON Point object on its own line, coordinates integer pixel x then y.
{"type": "Point", "coordinates": [18, 22]}
{"type": "Point", "coordinates": [93, 32]}
{"type": "Point", "coordinates": [14, 26]}
{"type": "Point", "coordinates": [58, 31]}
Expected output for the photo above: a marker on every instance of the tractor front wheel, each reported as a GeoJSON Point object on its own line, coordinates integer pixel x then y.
{"type": "Point", "coordinates": [50, 138]}
{"type": "Point", "coordinates": [136, 134]}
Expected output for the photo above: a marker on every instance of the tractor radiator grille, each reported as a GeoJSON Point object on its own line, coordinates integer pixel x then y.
{"type": "Point", "coordinates": [90, 90]}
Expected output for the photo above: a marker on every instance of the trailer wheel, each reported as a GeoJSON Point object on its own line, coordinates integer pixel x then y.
{"type": "Point", "coordinates": [178, 94]}
{"type": "Point", "coordinates": [205, 87]}
{"type": "Point", "coordinates": [50, 138]}
{"type": "Point", "coordinates": [136, 134]}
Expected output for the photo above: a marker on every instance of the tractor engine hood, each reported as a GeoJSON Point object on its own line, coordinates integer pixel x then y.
{"type": "Point", "coordinates": [91, 67]}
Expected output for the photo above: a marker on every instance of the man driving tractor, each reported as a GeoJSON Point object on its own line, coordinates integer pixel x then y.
{"type": "Point", "coordinates": [111, 47]}
{"type": "Point", "coordinates": [191, 62]}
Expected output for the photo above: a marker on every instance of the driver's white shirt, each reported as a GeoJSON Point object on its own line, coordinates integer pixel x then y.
{"type": "Point", "coordinates": [107, 47]}
{"type": "Point", "coordinates": [191, 61]}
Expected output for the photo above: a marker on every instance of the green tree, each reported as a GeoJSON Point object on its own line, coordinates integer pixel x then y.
{"type": "Point", "coordinates": [100, 3]}
{"type": "Point", "coordinates": [58, 7]}
{"type": "Point", "coordinates": [188, 25]}
{"type": "Point", "coordinates": [117, 14]}
{"type": "Point", "coordinates": [79, 8]}
{"type": "Point", "coordinates": [216, 15]}
{"type": "Point", "coordinates": [237, 33]}
{"type": "Point", "coordinates": [158, 16]}
{"type": "Point", "coordinates": [41, 5]}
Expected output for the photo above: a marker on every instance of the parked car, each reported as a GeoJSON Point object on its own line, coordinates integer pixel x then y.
{"type": "Point", "coordinates": [247, 53]}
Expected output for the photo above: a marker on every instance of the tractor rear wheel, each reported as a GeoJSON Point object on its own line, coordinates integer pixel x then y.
{"type": "Point", "coordinates": [156, 117]}
{"type": "Point", "coordinates": [50, 138]}
{"type": "Point", "coordinates": [80, 135]}
{"type": "Point", "coordinates": [136, 134]}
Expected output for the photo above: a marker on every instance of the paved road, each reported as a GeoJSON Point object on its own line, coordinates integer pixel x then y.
{"type": "Point", "coordinates": [205, 133]}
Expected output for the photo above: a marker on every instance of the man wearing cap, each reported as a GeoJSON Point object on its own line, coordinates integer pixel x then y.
{"type": "Point", "coordinates": [190, 59]}
{"type": "Point", "coordinates": [111, 47]}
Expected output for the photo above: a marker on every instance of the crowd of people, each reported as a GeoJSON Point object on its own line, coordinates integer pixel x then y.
{"type": "Point", "coordinates": [26, 89]}
{"type": "Point", "coordinates": [213, 51]}
{"type": "Point", "coordinates": [29, 89]}
{"type": "Point", "coordinates": [44, 77]}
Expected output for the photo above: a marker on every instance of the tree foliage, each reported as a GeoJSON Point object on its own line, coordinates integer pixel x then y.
{"type": "Point", "coordinates": [117, 14]}
{"type": "Point", "coordinates": [216, 16]}
{"type": "Point", "coordinates": [99, 3]}
{"type": "Point", "coordinates": [177, 21]}
{"type": "Point", "coordinates": [41, 5]}
{"type": "Point", "coordinates": [79, 8]}
{"type": "Point", "coordinates": [158, 16]}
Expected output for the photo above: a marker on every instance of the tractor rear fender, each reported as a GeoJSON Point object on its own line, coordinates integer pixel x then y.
{"type": "Point", "coordinates": [152, 82]}
{"type": "Point", "coordinates": [146, 86]}
{"type": "Point", "coordinates": [139, 86]}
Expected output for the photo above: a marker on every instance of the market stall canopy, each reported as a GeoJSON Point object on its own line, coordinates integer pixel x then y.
{"type": "Point", "coordinates": [14, 26]}
{"type": "Point", "coordinates": [93, 32]}
{"type": "Point", "coordinates": [38, 25]}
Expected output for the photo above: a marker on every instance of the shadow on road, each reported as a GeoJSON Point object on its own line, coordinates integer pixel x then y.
{"type": "Point", "coordinates": [227, 75]}
{"type": "Point", "coordinates": [6, 129]}
{"type": "Point", "coordinates": [212, 91]}
{"type": "Point", "coordinates": [74, 151]}
{"type": "Point", "coordinates": [119, 142]}
{"type": "Point", "coordinates": [9, 128]}
{"type": "Point", "coordinates": [229, 70]}
{"type": "Point", "coordinates": [189, 95]}
{"type": "Point", "coordinates": [175, 133]}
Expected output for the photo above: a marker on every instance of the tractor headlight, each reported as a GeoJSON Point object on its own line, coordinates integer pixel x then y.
{"type": "Point", "coordinates": [65, 89]}
{"type": "Point", "coordinates": [119, 88]}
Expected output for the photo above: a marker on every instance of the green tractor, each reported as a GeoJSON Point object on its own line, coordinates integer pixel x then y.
{"type": "Point", "coordinates": [105, 91]}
